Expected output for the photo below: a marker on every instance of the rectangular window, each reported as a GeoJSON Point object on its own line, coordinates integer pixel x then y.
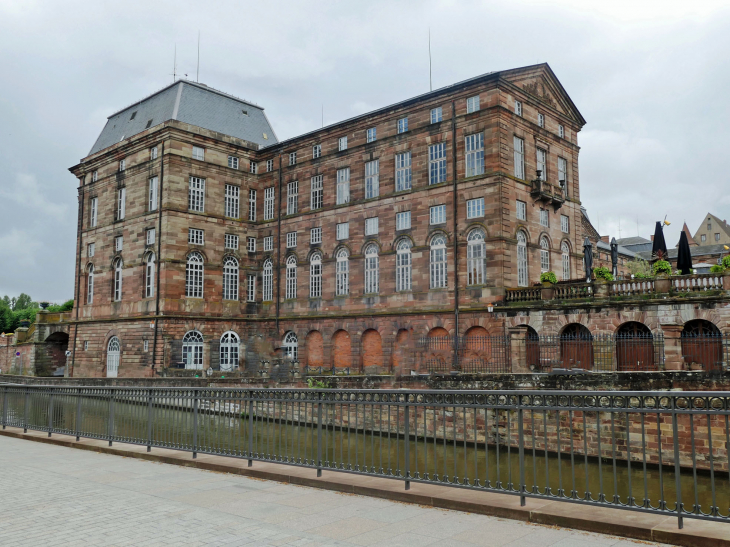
{"type": "Point", "coordinates": [561, 131]}
{"type": "Point", "coordinates": [371, 226]}
{"type": "Point", "coordinates": [150, 239]}
{"type": "Point", "coordinates": [291, 240]}
{"type": "Point", "coordinates": [195, 236]}
{"type": "Point", "coordinates": [403, 220]}
{"type": "Point", "coordinates": [342, 144]}
{"type": "Point", "coordinates": [121, 203]}
{"type": "Point", "coordinates": [269, 165]}
{"type": "Point", "coordinates": [292, 158]}
{"type": "Point", "coordinates": [146, 345]}
{"type": "Point", "coordinates": [562, 171]}
{"type": "Point", "coordinates": [372, 179]}
{"type": "Point", "coordinates": [475, 208]}
{"type": "Point", "coordinates": [86, 345]}
{"type": "Point", "coordinates": [269, 203]}
{"type": "Point", "coordinates": [343, 231]}
{"type": "Point", "coordinates": [564, 224]}
{"type": "Point", "coordinates": [269, 243]}
{"type": "Point", "coordinates": [343, 186]}
{"type": "Point", "coordinates": [94, 176]}
{"type": "Point", "coordinates": [250, 288]}
{"type": "Point", "coordinates": [232, 207]}
{"type": "Point", "coordinates": [316, 193]}
{"type": "Point", "coordinates": [292, 198]}
{"type": "Point", "coordinates": [92, 211]}
{"type": "Point", "coordinates": [521, 210]}
{"type": "Point", "coordinates": [437, 163]}
{"type": "Point", "coordinates": [436, 114]}
{"type": "Point", "coordinates": [196, 194]}
{"type": "Point", "coordinates": [703, 238]}
{"type": "Point", "coordinates": [118, 243]}
{"type": "Point", "coordinates": [475, 155]}
{"type": "Point", "coordinates": [252, 205]}
{"type": "Point", "coordinates": [231, 242]}
{"type": "Point", "coordinates": [541, 120]}
{"type": "Point", "coordinates": [544, 218]}
{"type": "Point", "coordinates": [717, 237]}
{"type": "Point", "coordinates": [371, 134]}
{"type": "Point", "coordinates": [518, 108]}
{"type": "Point", "coordinates": [316, 151]}
{"type": "Point", "coordinates": [542, 163]}
{"type": "Point", "coordinates": [519, 145]}
{"type": "Point", "coordinates": [402, 171]}
{"type": "Point", "coordinates": [152, 197]}
{"type": "Point", "coordinates": [251, 244]}
{"type": "Point", "coordinates": [437, 214]}
{"type": "Point", "coordinates": [90, 250]}
{"type": "Point", "coordinates": [233, 162]}
{"type": "Point", "coordinates": [315, 235]}
{"type": "Point", "coordinates": [253, 167]}
{"type": "Point", "coordinates": [153, 153]}
{"type": "Point", "coordinates": [472, 104]}
{"type": "Point", "coordinates": [122, 165]}
{"type": "Point", "coordinates": [402, 125]}
{"type": "Point", "coordinates": [198, 153]}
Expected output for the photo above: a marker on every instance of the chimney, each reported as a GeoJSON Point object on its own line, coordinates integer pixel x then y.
{"type": "Point", "coordinates": [652, 238]}
{"type": "Point", "coordinates": [604, 239]}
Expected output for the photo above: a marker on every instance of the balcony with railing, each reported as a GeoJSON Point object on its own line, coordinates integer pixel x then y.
{"type": "Point", "coordinates": [551, 194]}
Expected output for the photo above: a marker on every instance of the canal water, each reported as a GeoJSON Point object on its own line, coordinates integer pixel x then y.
{"type": "Point", "coordinates": [293, 438]}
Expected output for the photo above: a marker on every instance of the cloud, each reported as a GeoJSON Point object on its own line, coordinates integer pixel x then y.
{"type": "Point", "coordinates": [28, 194]}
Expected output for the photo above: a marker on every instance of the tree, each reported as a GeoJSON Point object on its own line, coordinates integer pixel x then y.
{"type": "Point", "coordinates": [639, 268]}
{"type": "Point", "coordinates": [23, 302]}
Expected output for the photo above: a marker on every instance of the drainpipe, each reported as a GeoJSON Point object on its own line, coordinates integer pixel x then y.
{"type": "Point", "coordinates": [159, 251]}
{"type": "Point", "coordinates": [456, 238]}
{"type": "Point", "coordinates": [79, 226]}
{"type": "Point", "coordinates": [278, 251]}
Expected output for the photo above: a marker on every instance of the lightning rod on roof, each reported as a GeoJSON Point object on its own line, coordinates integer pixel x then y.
{"type": "Point", "coordinates": [174, 65]}
{"type": "Point", "coordinates": [197, 70]}
{"type": "Point", "coordinates": [430, 80]}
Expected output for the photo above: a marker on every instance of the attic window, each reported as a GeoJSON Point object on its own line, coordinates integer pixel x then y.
{"type": "Point", "coordinates": [245, 112]}
{"type": "Point", "coordinates": [148, 124]}
{"type": "Point", "coordinates": [266, 136]}
{"type": "Point", "coordinates": [133, 115]}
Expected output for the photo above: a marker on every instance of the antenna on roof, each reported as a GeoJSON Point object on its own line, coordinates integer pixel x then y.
{"type": "Point", "coordinates": [174, 65]}
{"type": "Point", "coordinates": [197, 70]}
{"type": "Point", "coordinates": [430, 81]}
{"type": "Point", "coordinates": [322, 114]}
{"type": "Point", "coordinates": [619, 227]}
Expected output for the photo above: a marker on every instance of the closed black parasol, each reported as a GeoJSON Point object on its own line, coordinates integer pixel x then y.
{"type": "Point", "coordinates": [614, 258]}
{"type": "Point", "coordinates": [659, 247]}
{"type": "Point", "coordinates": [684, 256]}
{"type": "Point", "coordinates": [588, 259]}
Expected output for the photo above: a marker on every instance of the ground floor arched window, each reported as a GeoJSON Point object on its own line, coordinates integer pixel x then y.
{"type": "Point", "coordinates": [193, 350]}
{"type": "Point", "coordinates": [229, 351]}
{"type": "Point", "coordinates": [291, 346]}
{"type": "Point", "coordinates": [113, 354]}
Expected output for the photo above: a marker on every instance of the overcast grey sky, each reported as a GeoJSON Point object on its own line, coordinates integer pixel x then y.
{"type": "Point", "coordinates": [651, 79]}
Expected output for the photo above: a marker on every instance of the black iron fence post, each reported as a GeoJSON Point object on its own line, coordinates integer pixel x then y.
{"type": "Point", "coordinates": [319, 436]}
{"type": "Point", "coordinates": [250, 429]}
{"type": "Point", "coordinates": [50, 414]}
{"type": "Point", "coordinates": [407, 447]}
{"type": "Point", "coordinates": [25, 412]}
{"type": "Point", "coordinates": [677, 466]}
{"type": "Point", "coordinates": [521, 441]}
{"type": "Point", "coordinates": [149, 420]}
{"type": "Point", "coordinates": [110, 425]}
{"type": "Point", "coordinates": [5, 407]}
{"type": "Point", "coordinates": [195, 424]}
{"type": "Point", "coordinates": [78, 414]}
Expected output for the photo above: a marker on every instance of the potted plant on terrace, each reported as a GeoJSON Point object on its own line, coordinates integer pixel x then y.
{"type": "Point", "coordinates": [602, 274]}
{"type": "Point", "coordinates": [662, 270]}
{"type": "Point", "coordinates": [548, 279]}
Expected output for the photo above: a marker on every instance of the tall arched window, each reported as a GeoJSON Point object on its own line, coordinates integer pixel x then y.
{"type": "Point", "coordinates": [403, 266]}
{"type": "Point", "coordinates": [438, 262]}
{"type": "Point", "coordinates": [343, 273]}
{"type": "Point", "coordinates": [521, 259]}
{"type": "Point", "coordinates": [229, 350]}
{"type": "Point", "coordinates": [291, 277]}
{"type": "Point", "coordinates": [90, 284]}
{"type": "Point", "coordinates": [372, 269]}
{"type": "Point", "coordinates": [194, 276]}
{"type": "Point", "coordinates": [193, 350]}
{"type": "Point", "coordinates": [291, 346]}
{"type": "Point", "coordinates": [118, 265]}
{"type": "Point", "coordinates": [565, 250]}
{"type": "Point", "coordinates": [315, 276]}
{"type": "Point", "coordinates": [113, 351]}
{"type": "Point", "coordinates": [230, 278]}
{"type": "Point", "coordinates": [149, 276]}
{"type": "Point", "coordinates": [475, 258]}
{"type": "Point", "coordinates": [268, 279]}
{"type": "Point", "coordinates": [544, 254]}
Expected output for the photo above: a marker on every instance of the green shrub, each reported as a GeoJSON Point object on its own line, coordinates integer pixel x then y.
{"type": "Point", "coordinates": [548, 277]}
{"type": "Point", "coordinates": [716, 269]}
{"type": "Point", "coordinates": [662, 267]}
{"type": "Point", "coordinates": [603, 273]}
{"type": "Point", "coordinates": [726, 262]}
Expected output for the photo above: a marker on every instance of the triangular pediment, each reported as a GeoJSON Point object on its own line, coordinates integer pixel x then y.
{"type": "Point", "coordinates": [541, 84]}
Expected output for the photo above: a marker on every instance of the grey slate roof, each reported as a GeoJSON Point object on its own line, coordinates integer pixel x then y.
{"type": "Point", "coordinates": [696, 250]}
{"type": "Point", "coordinates": [632, 240]}
{"type": "Point", "coordinates": [192, 103]}
{"type": "Point", "coordinates": [603, 246]}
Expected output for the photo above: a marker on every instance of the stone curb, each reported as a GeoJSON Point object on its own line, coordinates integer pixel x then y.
{"type": "Point", "coordinates": [615, 522]}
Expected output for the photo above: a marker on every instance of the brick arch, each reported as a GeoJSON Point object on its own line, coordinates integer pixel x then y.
{"type": "Point", "coordinates": [480, 321]}
{"type": "Point", "coordinates": [437, 233]}
{"type": "Point", "coordinates": [201, 252]}
{"type": "Point", "coordinates": [563, 320]}
{"type": "Point", "coordinates": [397, 240]}
{"type": "Point", "coordinates": [438, 332]}
{"type": "Point", "coordinates": [341, 349]}
{"type": "Point", "coordinates": [314, 349]}
{"type": "Point", "coordinates": [633, 316]}
{"type": "Point", "coordinates": [711, 315]}
{"type": "Point", "coordinates": [435, 322]}
{"type": "Point", "coordinates": [372, 349]}
{"type": "Point", "coordinates": [476, 226]}
{"type": "Point", "coordinates": [546, 236]}
{"type": "Point", "coordinates": [369, 242]}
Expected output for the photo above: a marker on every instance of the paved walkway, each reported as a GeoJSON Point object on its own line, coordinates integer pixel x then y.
{"type": "Point", "coordinates": [53, 495]}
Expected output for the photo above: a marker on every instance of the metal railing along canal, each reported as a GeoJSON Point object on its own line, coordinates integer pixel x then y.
{"type": "Point", "coordinates": [657, 452]}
